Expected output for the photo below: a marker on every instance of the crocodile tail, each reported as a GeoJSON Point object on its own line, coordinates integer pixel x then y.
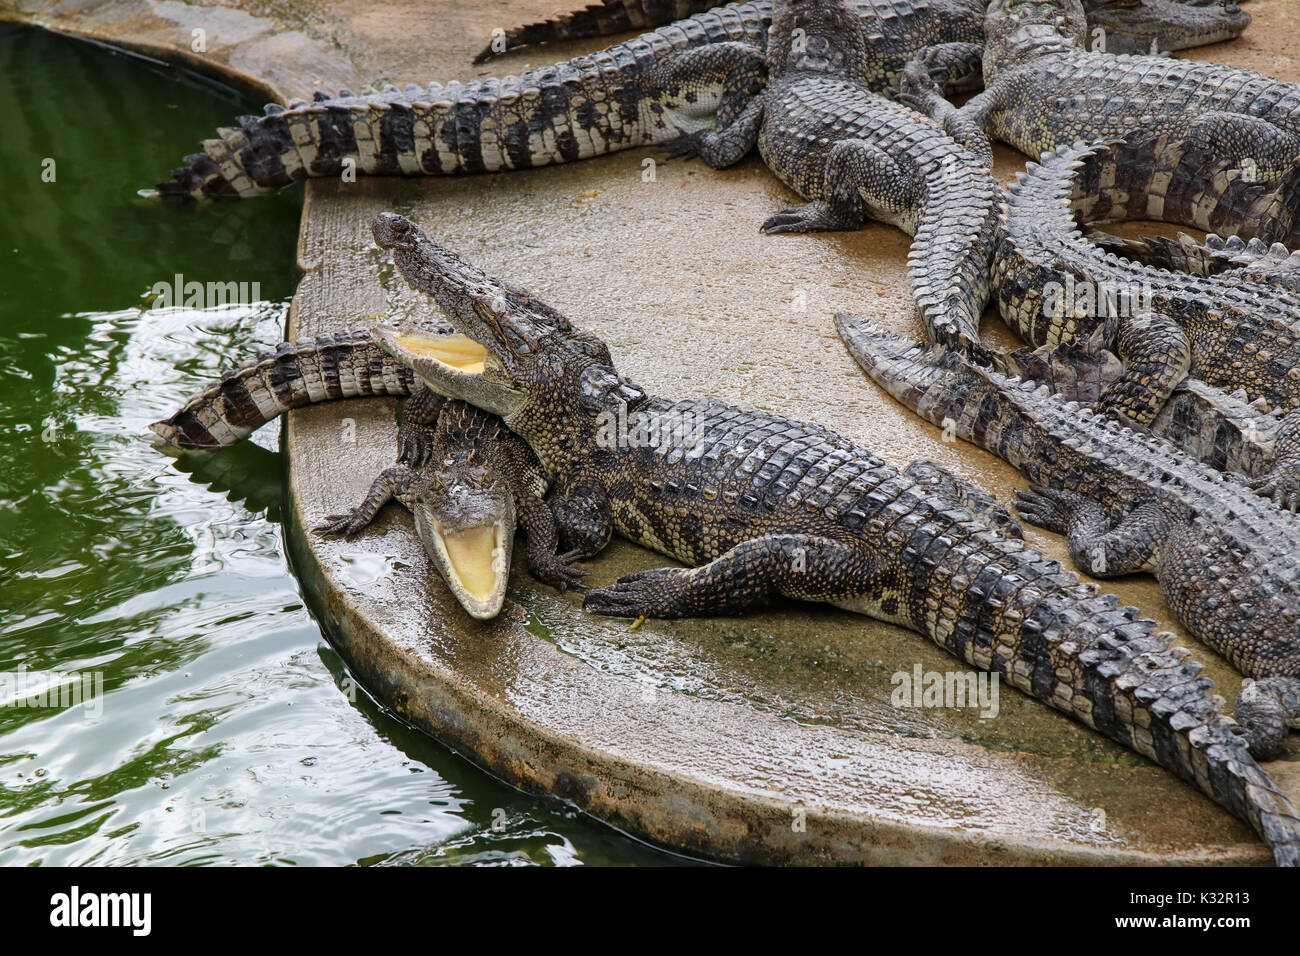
{"type": "Point", "coordinates": [1165, 179]}
{"type": "Point", "coordinates": [594, 20]}
{"type": "Point", "coordinates": [1056, 638]}
{"type": "Point", "coordinates": [587, 106]}
{"type": "Point", "coordinates": [952, 253]}
{"type": "Point", "coordinates": [341, 365]}
{"type": "Point", "coordinates": [554, 115]}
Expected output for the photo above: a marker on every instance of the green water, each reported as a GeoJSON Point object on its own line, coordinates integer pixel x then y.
{"type": "Point", "coordinates": [222, 734]}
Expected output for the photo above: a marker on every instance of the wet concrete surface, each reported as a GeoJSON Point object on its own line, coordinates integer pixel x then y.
{"type": "Point", "coordinates": [768, 738]}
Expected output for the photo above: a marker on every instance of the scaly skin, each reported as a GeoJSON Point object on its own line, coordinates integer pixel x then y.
{"type": "Point", "coordinates": [759, 505]}
{"type": "Point", "coordinates": [458, 467]}
{"type": "Point", "coordinates": [1044, 89]}
{"type": "Point", "coordinates": [1226, 330]}
{"type": "Point", "coordinates": [1234, 257]}
{"type": "Point", "coordinates": [1227, 561]}
{"type": "Point", "coordinates": [1224, 431]}
{"type": "Point", "coordinates": [859, 156]}
{"type": "Point", "coordinates": [1125, 27]}
{"type": "Point", "coordinates": [612, 100]}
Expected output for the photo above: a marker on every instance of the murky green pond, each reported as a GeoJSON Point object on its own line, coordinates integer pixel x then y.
{"type": "Point", "coordinates": [223, 733]}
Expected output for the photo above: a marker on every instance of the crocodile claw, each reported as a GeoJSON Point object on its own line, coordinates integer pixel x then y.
{"type": "Point", "coordinates": [1282, 485]}
{"type": "Point", "coordinates": [1044, 508]}
{"type": "Point", "coordinates": [649, 593]}
{"type": "Point", "coordinates": [556, 570]}
{"type": "Point", "coordinates": [340, 526]}
{"type": "Point", "coordinates": [684, 148]}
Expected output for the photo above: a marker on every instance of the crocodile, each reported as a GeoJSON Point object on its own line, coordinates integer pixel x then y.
{"type": "Point", "coordinates": [587, 106]}
{"type": "Point", "coordinates": [857, 155]}
{"type": "Point", "coordinates": [1227, 561]}
{"type": "Point", "coordinates": [759, 505]}
{"type": "Point", "coordinates": [1054, 285]}
{"type": "Point", "coordinates": [465, 478]}
{"type": "Point", "coordinates": [1114, 26]}
{"type": "Point", "coordinates": [1045, 89]}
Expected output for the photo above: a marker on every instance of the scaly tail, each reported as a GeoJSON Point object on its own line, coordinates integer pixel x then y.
{"type": "Point", "coordinates": [1167, 180]}
{"type": "Point", "coordinates": [951, 255]}
{"type": "Point", "coordinates": [595, 20]}
{"type": "Point", "coordinates": [342, 365]}
{"type": "Point", "coordinates": [587, 106]}
{"type": "Point", "coordinates": [1058, 640]}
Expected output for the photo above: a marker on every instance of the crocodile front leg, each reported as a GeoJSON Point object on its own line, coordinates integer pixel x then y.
{"type": "Point", "coordinates": [415, 434]}
{"type": "Point", "coordinates": [538, 521]}
{"type": "Point", "coordinates": [857, 174]}
{"type": "Point", "coordinates": [1133, 544]}
{"type": "Point", "coordinates": [1157, 355]}
{"type": "Point", "coordinates": [793, 565]}
{"type": "Point", "coordinates": [583, 520]}
{"type": "Point", "coordinates": [396, 482]}
{"type": "Point", "coordinates": [920, 90]}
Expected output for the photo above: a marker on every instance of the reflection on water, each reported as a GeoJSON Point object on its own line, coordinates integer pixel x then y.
{"type": "Point", "coordinates": [229, 730]}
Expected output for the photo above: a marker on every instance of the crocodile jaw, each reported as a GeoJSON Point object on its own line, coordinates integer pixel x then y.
{"type": "Point", "coordinates": [455, 366]}
{"type": "Point", "coordinates": [473, 560]}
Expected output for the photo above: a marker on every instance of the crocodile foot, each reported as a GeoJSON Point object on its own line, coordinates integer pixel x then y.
{"type": "Point", "coordinates": [1046, 508]}
{"type": "Point", "coordinates": [683, 147]}
{"type": "Point", "coordinates": [1282, 485]}
{"type": "Point", "coordinates": [813, 217]}
{"type": "Point", "coordinates": [557, 570]}
{"type": "Point", "coordinates": [1264, 709]}
{"type": "Point", "coordinates": [655, 592]}
{"type": "Point", "coordinates": [343, 526]}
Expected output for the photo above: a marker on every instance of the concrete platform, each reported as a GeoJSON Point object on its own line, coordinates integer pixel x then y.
{"type": "Point", "coordinates": [769, 738]}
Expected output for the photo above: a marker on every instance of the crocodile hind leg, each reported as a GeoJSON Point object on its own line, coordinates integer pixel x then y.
{"type": "Point", "coordinates": [1157, 356]}
{"type": "Point", "coordinates": [857, 172]}
{"type": "Point", "coordinates": [1134, 544]}
{"type": "Point", "coordinates": [1266, 708]}
{"type": "Point", "coordinates": [941, 482]}
{"type": "Point", "coordinates": [1263, 151]}
{"type": "Point", "coordinates": [395, 482]}
{"type": "Point", "coordinates": [741, 72]}
{"type": "Point", "coordinates": [1282, 481]}
{"type": "Point", "coordinates": [794, 565]}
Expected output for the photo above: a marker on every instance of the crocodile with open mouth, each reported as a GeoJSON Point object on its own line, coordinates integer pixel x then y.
{"type": "Point", "coordinates": [465, 478]}
{"type": "Point", "coordinates": [758, 505]}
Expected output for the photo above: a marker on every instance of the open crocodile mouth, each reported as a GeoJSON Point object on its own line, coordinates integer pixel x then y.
{"type": "Point", "coordinates": [475, 562]}
{"type": "Point", "coordinates": [457, 352]}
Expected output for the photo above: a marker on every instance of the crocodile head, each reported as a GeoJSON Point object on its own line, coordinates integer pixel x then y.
{"type": "Point", "coordinates": [1160, 26]}
{"type": "Point", "coordinates": [819, 36]}
{"type": "Point", "coordinates": [465, 517]}
{"type": "Point", "coordinates": [553, 384]}
{"type": "Point", "coordinates": [1019, 30]}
